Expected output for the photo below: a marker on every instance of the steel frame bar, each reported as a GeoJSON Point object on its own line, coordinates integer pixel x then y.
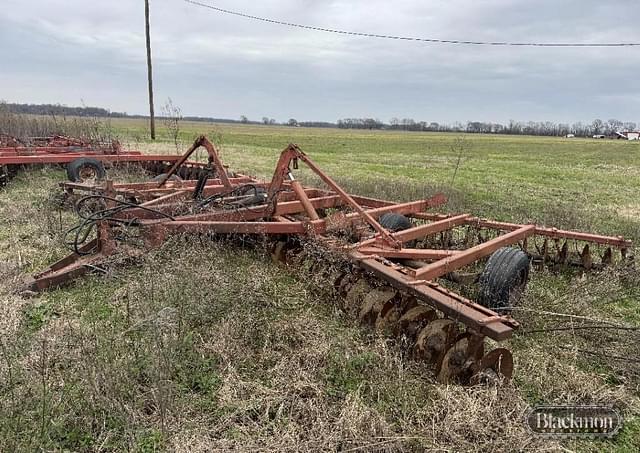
{"type": "Point", "coordinates": [152, 187]}
{"type": "Point", "coordinates": [422, 231]}
{"type": "Point", "coordinates": [384, 234]}
{"type": "Point", "coordinates": [263, 211]}
{"type": "Point", "coordinates": [456, 308]}
{"type": "Point", "coordinates": [306, 204]}
{"type": "Point", "coordinates": [440, 268]}
{"type": "Point", "coordinates": [214, 158]}
{"type": "Point", "coordinates": [45, 150]}
{"type": "Point", "coordinates": [236, 217]}
{"type": "Point", "coordinates": [172, 196]}
{"type": "Point", "coordinates": [554, 233]}
{"type": "Point", "coordinates": [409, 253]}
{"type": "Point", "coordinates": [435, 227]}
{"type": "Point", "coordinates": [64, 262]}
{"type": "Point", "coordinates": [560, 234]}
{"type": "Point", "coordinates": [80, 266]}
{"type": "Point", "coordinates": [65, 158]}
{"type": "Point", "coordinates": [181, 226]}
{"type": "Point", "coordinates": [291, 154]}
{"type": "Point", "coordinates": [400, 208]}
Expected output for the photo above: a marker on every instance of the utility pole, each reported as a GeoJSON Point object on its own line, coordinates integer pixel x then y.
{"type": "Point", "coordinates": [152, 123]}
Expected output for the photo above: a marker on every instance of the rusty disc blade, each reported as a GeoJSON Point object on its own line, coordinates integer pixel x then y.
{"type": "Point", "coordinates": [414, 320]}
{"type": "Point", "coordinates": [389, 315]}
{"type": "Point", "coordinates": [495, 365]}
{"type": "Point", "coordinates": [434, 340]}
{"type": "Point", "coordinates": [373, 303]}
{"type": "Point", "coordinates": [355, 297]}
{"type": "Point", "coordinates": [278, 252]}
{"type": "Point", "coordinates": [343, 284]}
{"type": "Point", "coordinates": [460, 360]}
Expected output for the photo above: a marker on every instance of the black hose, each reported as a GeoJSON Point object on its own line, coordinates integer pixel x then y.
{"type": "Point", "coordinates": [202, 182]}
{"type": "Point", "coordinates": [82, 231]}
{"type": "Point", "coordinates": [240, 190]}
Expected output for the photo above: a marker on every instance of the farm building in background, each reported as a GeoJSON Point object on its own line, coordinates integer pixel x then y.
{"type": "Point", "coordinates": [628, 135]}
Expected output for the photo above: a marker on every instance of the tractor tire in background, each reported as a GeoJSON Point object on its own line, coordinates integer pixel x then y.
{"type": "Point", "coordinates": [84, 169]}
{"type": "Point", "coordinates": [395, 222]}
{"type": "Point", "coordinates": [161, 176]}
{"type": "Point", "coordinates": [4, 175]}
{"type": "Point", "coordinates": [504, 278]}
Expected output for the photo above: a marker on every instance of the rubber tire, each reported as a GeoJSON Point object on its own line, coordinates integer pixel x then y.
{"type": "Point", "coordinates": [4, 175]}
{"type": "Point", "coordinates": [395, 222]}
{"type": "Point", "coordinates": [255, 191]}
{"type": "Point", "coordinates": [74, 167]}
{"type": "Point", "coordinates": [506, 270]}
{"type": "Point", "coordinates": [174, 177]}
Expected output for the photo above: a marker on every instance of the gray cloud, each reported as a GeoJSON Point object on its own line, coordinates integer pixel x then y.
{"type": "Point", "coordinates": [217, 65]}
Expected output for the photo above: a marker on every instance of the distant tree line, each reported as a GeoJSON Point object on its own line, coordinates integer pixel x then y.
{"type": "Point", "coordinates": [60, 110]}
{"type": "Point", "coordinates": [96, 112]}
{"type": "Point", "coordinates": [546, 128]}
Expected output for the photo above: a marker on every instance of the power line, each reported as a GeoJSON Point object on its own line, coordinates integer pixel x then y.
{"type": "Point", "coordinates": [409, 38]}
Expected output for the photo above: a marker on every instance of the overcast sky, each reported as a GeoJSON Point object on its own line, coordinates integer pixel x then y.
{"type": "Point", "coordinates": [210, 64]}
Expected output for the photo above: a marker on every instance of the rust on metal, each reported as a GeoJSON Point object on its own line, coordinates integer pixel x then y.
{"type": "Point", "coordinates": [408, 266]}
{"type": "Point", "coordinates": [214, 159]}
{"type": "Point", "coordinates": [471, 255]}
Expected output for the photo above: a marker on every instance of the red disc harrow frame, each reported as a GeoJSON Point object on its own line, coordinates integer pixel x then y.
{"type": "Point", "coordinates": [407, 276]}
{"type": "Point", "coordinates": [59, 150]}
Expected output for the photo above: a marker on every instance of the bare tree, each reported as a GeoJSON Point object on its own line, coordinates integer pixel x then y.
{"type": "Point", "coordinates": [597, 126]}
{"type": "Point", "coordinates": [172, 116]}
{"type": "Point", "coordinates": [613, 126]}
{"type": "Point", "coordinates": [152, 121]}
{"type": "Point", "coordinates": [460, 147]}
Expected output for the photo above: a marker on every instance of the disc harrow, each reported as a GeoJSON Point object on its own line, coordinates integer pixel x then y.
{"type": "Point", "coordinates": [455, 353]}
{"type": "Point", "coordinates": [79, 154]}
{"type": "Point", "coordinates": [389, 265]}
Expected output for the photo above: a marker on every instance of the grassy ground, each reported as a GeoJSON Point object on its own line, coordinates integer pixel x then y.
{"type": "Point", "coordinates": [200, 346]}
{"type": "Point", "coordinates": [519, 178]}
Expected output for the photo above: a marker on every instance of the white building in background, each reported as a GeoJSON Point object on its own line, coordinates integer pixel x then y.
{"type": "Point", "coordinates": [628, 135]}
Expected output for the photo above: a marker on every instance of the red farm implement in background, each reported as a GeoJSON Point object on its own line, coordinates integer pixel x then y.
{"type": "Point", "coordinates": [391, 265]}
{"type": "Point", "coordinates": [83, 160]}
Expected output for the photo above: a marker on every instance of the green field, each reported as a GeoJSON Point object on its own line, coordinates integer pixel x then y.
{"type": "Point", "coordinates": [198, 346]}
{"type": "Point", "coordinates": [512, 178]}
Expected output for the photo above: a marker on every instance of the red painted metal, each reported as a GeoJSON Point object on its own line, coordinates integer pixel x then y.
{"type": "Point", "coordinates": [472, 255]}
{"type": "Point", "coordinates": [214, 160]}
{"type": "Point", "coordinates": [452, 305]}
{"type": "Point", "coordinates": [292, 210]}
{"type": "Point", "coordinates": [70, 157]}
{"type": "Point", "coordinates": [408, 253]}
{"type": "Point", "coordinates": [63, 150]}
{"type": "Point", "coordinates": [555, 233]}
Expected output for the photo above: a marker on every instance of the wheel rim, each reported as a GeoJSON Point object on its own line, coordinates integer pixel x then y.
{"type": "Point", "coordinates": [516, 292]}
{"type": "Point", "coordinates": [87, 173]}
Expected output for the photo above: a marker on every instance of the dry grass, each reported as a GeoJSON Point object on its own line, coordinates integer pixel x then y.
{"type": "Point", "coordinates": [25, 127]}
{"type": "Point", "coordinates": [264, 375]}
{"type": "Point", "coordinates": [202, 346]}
